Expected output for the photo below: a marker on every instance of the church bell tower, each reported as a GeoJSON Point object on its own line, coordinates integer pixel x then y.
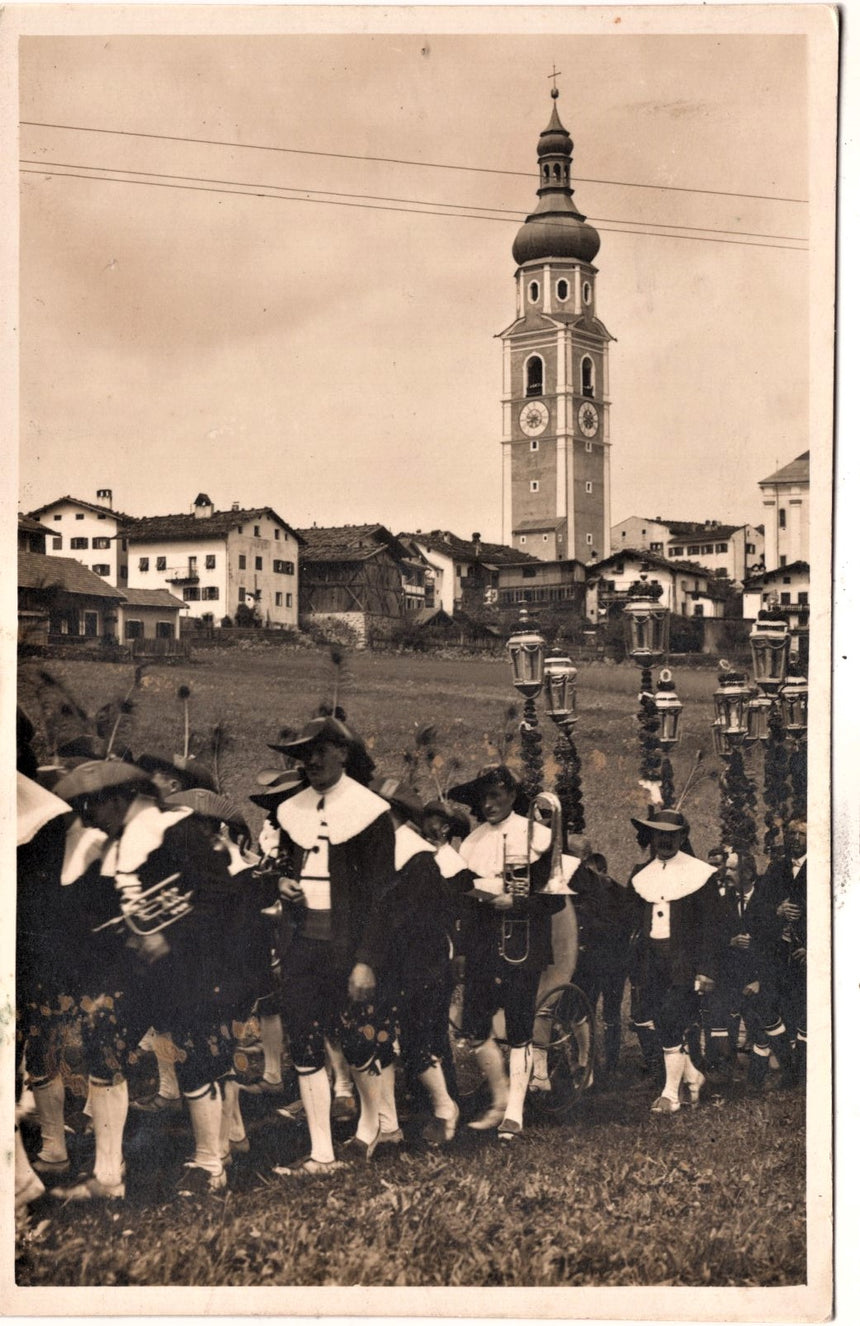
{"type": "Point", "coordinates": [555, 404]}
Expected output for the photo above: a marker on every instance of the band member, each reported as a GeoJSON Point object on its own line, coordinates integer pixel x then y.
{"type": "Point", "coordinates": [164, 972]}
{"type": "Point", "coordinates": [340, 847]}
{"type": "Point", "coordinates": [675, 905]}
{"type": "Point", "coordinates": [507, 937]}
{"type": "Point", "coordinates": [791, 948]}
{"type": "Point", "coordinates": [416, 918]}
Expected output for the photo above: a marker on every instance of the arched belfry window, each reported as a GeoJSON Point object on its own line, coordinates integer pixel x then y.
{"type": "Point", "coordinates": [587, 376]}
{"type": "Point", "coordinates": [546, 172]}
{"type": "Point", "coordinates": [556, 170]}
{"type": "Point", "coordinates": [534, 376]}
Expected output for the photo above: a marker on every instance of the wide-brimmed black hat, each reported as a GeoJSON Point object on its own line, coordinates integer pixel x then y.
{"type": "Point", "coordinates": [458, 821]}
{"type": "Point", "coordinates": [664, 821]}
{"type": "Point", "coordinates": [359, 764]}
{"type": "Point", "coordinates": [277, 785]}
{"type": "Point", "coordinates": [491, 775]}
{"type": "Point", "coordinates": [186, 770]}
{"type": "Point", "coordinates": [99, 777]}
{"type": "Point", "coordinates": [213, 805]}
{"type": "Point", "coordinates": [399, 795]}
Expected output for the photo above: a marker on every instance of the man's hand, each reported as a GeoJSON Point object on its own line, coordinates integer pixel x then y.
{"type": "Point", "coordinates": [739, 941]}
{"type": "Point", "coordinates": [503, 902]}
{"type": "Point", "coordinates": [362, 983]}
{"type": "Point", "coordinates": [290, 889]}
{"type": "Point", "coordinates": [753, 988]}
{"type": "Point", "coordinates": [789, 910]}
{"type": "Point", "coordinates": [152, 947]}
{"type": "Point", "coordinates": [799, 956]}
{"type": "Point", "coordinates": [704, 984]}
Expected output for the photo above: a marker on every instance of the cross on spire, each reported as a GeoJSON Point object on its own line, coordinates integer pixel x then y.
{"type": "Point", "coordinates": [554, 75]}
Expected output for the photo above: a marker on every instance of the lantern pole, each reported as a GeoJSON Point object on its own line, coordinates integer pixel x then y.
{"type": "Point", "coordinates": [646, 638]}
{"type": "Point", "coordinates": [526, 648]}
{"type": "Point", "coordinates": [731, 734]}
{"type": "Point", "coordinates": [560, 696]}
{"type": "Point", "coordinates": [770, 644]}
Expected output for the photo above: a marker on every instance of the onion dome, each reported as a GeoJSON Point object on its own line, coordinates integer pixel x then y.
{"type": "Point", "coordinates": [555, 229]}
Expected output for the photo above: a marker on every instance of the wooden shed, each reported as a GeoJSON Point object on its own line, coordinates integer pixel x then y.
{"type": "Point", "coordinates": [353, 575]}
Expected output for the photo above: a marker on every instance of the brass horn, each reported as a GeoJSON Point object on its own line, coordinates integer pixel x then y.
{"type": "Point", "coordinates": [515, 938]}
{"type": "Point", "coordinates": [155, 909]}
{"type": "Point", "coordinates": [548, 803]}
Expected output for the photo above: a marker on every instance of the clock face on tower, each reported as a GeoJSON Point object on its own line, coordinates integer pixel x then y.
{"type": "Point", "coordinates": [534, 417]}
{"type": "Point", "coordinates": [588, 418]}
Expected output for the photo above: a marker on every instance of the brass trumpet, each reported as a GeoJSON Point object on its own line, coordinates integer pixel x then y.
{"type": "Point", "coordinates": [155, 909]}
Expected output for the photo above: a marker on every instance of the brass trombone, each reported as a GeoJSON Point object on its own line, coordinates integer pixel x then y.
{"type": "Point", "coordinates": [514, 941]}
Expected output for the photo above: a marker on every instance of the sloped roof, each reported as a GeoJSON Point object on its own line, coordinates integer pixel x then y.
{"type": "Point", "coordinates": [39, 571]}
{"type": "Point", "coordinates": [31, 526]}
{"type": "Point", "coordinates": [463, 550]}
{"type": "Point", "coordinates": [79, 501]}
{"type": "Point", "coordinates": [684, 531]}
{"type": "Point", "coordinates": [152, 598]}
{"type": "Point", "coordinates": [796, 471]}
{"type": "Point", "coordinates": [538, 523]}
{"type": "Point", "coordinates": [766, 577]}
{"type": "Point", "coordinates": [651, 560]}
{"type": "Point", "coordinates": [349, 543]}
{"type": "Point", "coordinates": [159, 529]}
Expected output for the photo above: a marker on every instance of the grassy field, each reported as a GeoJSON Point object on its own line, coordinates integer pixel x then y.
{"type": "Point", "coordinates": [608, 1196]}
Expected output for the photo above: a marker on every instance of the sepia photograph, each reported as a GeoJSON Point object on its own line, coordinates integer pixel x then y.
{"type": "Point", "coordinates": [424, 498]}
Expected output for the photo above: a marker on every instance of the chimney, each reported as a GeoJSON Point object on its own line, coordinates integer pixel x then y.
{"type": "Point", "coordinates": [203, 507]}
{"type": "Point", "coordinates": [476, 544]}
{"type": "Point", "coordinates": [235, 506]}
{"type": "Point", "coordinates": [105, 497]}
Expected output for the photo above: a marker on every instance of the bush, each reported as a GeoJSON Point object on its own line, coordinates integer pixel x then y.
{"type": "Point", "coordinates": [686, 634]}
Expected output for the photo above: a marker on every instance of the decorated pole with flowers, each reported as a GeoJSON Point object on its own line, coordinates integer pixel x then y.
{"type": "Point", "coordinates": [526, 648]}
{"type": "Point", "coordinates": [560, 696]}
{"type": "Point", "coordinates": [731, 730]}
{"type": "Point", "coordinates": [646, 638]}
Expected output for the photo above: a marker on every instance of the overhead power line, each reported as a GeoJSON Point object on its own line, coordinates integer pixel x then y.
{"type": "Point", "coordinates": [397, 161]}
{"type": "Point", "coordinates": [415, 210]}
{"type": "Point", "coordinates": [507, 212]}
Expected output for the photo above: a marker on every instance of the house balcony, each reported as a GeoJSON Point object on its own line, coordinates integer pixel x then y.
{"type": "Point", "coordinates": [191, 578]}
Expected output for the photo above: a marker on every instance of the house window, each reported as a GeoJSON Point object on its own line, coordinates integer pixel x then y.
{"type": "Point", "coordinates": [534, 376]}
{"type": "Point", "coordinates": [588, 376]}
{"type": "Point", "coordinates": [58, 517]}
{"type": "Point", "coordinates": [534, 291]}
{"type": "Point", "coordinates": [143, 564]}
{"type": "Point", "coordinates": [589, 486]}
{"type": "Point", "coordinates": [192, 566]}
{"type": "Point", "coordinates": [534, 486]}
{"type": "Point", "coordinates": [786, 580]}
{"type": "Point", "coordinates": [782, 559]}
{"type": "Point", "coordinates": [782, 517]}
{"type": "Point", "coordinates": [279, 599]}
{"type": "Point", "coordinates": [529, 572]}
{"type": "Point", "coordinates": [79, 515]}
{"type": "Point", "coordinates": [242, 561]}
{"type": "Point", "coordinates": [256, 531]}
{"type": "Point", "coordinates": [58, 542]}
{"type": "Point", "coordinates": [79, 543]}
{"type": "Point", "coordinates": [277, 532]}
{"type": "Point", "coordinates": [101, 543]}
{"type": "Point", "coordinates": [288, 600]}
{"type": "Point", "coordinates": [133, 630]}
{"type": "Point", "coordinates": [586, 292]}
{"type": "Point", "coordinates": [101, 517]}
{"type": "Point", "coordinates": [161, 563]}
{"type": "Point", "coordinates": [289, 568]}
{"type": "Point", "coordinates": [164, 631]}
{"type": "Point", "coordinates": [698, 609]}
{"type": "Point", "coordinates": [522, 538]}
{"type": "Point", "coordinates": [589, 539]}
{"type": "Point", "coordinates": [91, 623]}
{"type": "Point", "coordinates": [123, 571]}
{"type": "Point", "coordinates": [124, 545]}
{"type": "Point", "coordinates": [693, 550]}
{"type": "Point", "coordinates": [210, 561]}
{"type": "Point", "coordinates": [258, 563]}
{"type": "Point", "coordinates": [707, 548]}
{"type": "Point", "coordinates": [545, 538]}
{"type": "Point", "coordinates": [241, 594]}
{"type": "Point", "coordinates": [191, 593]}
{"type": "Point", "coordinates": [211, 592]}
{"type": "Point", "coordinates": [102, 569]}
{"type": "Point", "coordinates": [724, 547]}
{"type": "Point", "coordinates": [534, 444]}
{"type": "Point", "coordinates": [748, 547]}
{"type": "Point", "coordinates": [803, 597]}
{"type": "Point", "coordinates": [657, 547]}
{"type": "Point", "coordinates": [562, 289]}
{"type": "Point", "coordinates": [589, 446]}
{"type": "Point", "coordinates": [785, 599]}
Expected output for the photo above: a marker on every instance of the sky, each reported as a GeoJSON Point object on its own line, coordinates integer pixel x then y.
{"type": "Point", "coordinates": [339, 362]}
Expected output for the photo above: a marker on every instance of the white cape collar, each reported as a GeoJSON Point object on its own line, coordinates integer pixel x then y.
{"type": "Point", "coordinates": [408, 843]}
{"type": "Point", "coordinates": [667, 881]}
{"type": "Point", "coordinates": [350, 808]}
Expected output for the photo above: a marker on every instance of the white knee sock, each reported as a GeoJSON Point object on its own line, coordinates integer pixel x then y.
{"type": "Point", "coordinates": [521, 1071]}
{"type": "Point", "coordinates": [369, 1093]}
{"type": "Point", "coordinates": [108, 1108]}
{"type": "Point", "coordinates": [540, 1066]}
{"type": "Point", "coordinates": [582, 1036]}
{"type": "Point", "coordinates": [315, 1090]}
{"type": "Point", "coordinates": [492, 1064]}
{"type": "Point", "coordinates": [272, 1040]}
{"type": "Point", "coordinates": [387, 1104]}
{"type": "Point", "coordinates": [336, 1060]}
{"type": "Point", "coordinates": [674, 1063]}
{"type": "Point", "coordinates": [50, 1098]}
{"type": "Point", "coordinates": [165, 1055]}
{"type": "Point", "coordinates": [205, 1110]}
{"type": "Point", "coordinates": [436, 1087]}
{"type": "Point", "coordinates": [28, 1185]}
{"type": "Point", "coordinates": [232, 1125]}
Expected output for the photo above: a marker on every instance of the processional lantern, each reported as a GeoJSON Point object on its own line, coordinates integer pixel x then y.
{"type": "Point", "coordinates": [794, 706]}
{"type": "Point", "coordinates": [559, 684]}
{"type": "Point", "coordinates": [646, 623]}
{"type": "Point", "coordinates": [526, 648]}
{"type": "Point", "coordinates": [770, 643]}
{"type": "Point", "coordinates": [669, 709]}
{"type": "Point", "coordinates": [731, 728]}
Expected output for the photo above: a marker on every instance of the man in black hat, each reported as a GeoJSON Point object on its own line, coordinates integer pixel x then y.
{"type": "Point", "coordinates": [508, 938]}
{"type": "Point", "coordinates": [676, 932]}
{"type": "Point", "coordinates": [340, 846]}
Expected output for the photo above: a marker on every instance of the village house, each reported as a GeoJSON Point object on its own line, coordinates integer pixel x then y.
{"type": "Point", "coordinates": [32, 537]}
{"type": "Point", "coordinates": [147, 615]}
{"type": "Point", "coordinates": [465, 574]}
{"type": "Point", "coordinates": [687, 588]}
{"type": "Point", "coordinates": [547, 584]}
{"type": "Point", "coordinates": [61, 601]}
{"type": "Point", "coordinates": [785, 496]}
{"type": "Point", "coordinates": [219, 562]}
{"type": "Point", "coordinates": [785, 587]}
{"type": "Point", "coordinates": [724, 550]}
{"type": "Point", "coordinates": [91, 533]}
{"type": "Point", "coordinates": [361, 577]}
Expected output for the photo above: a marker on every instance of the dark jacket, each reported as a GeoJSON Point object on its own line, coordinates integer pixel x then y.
{"type": "Point", "coordinates": [695, 932]}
